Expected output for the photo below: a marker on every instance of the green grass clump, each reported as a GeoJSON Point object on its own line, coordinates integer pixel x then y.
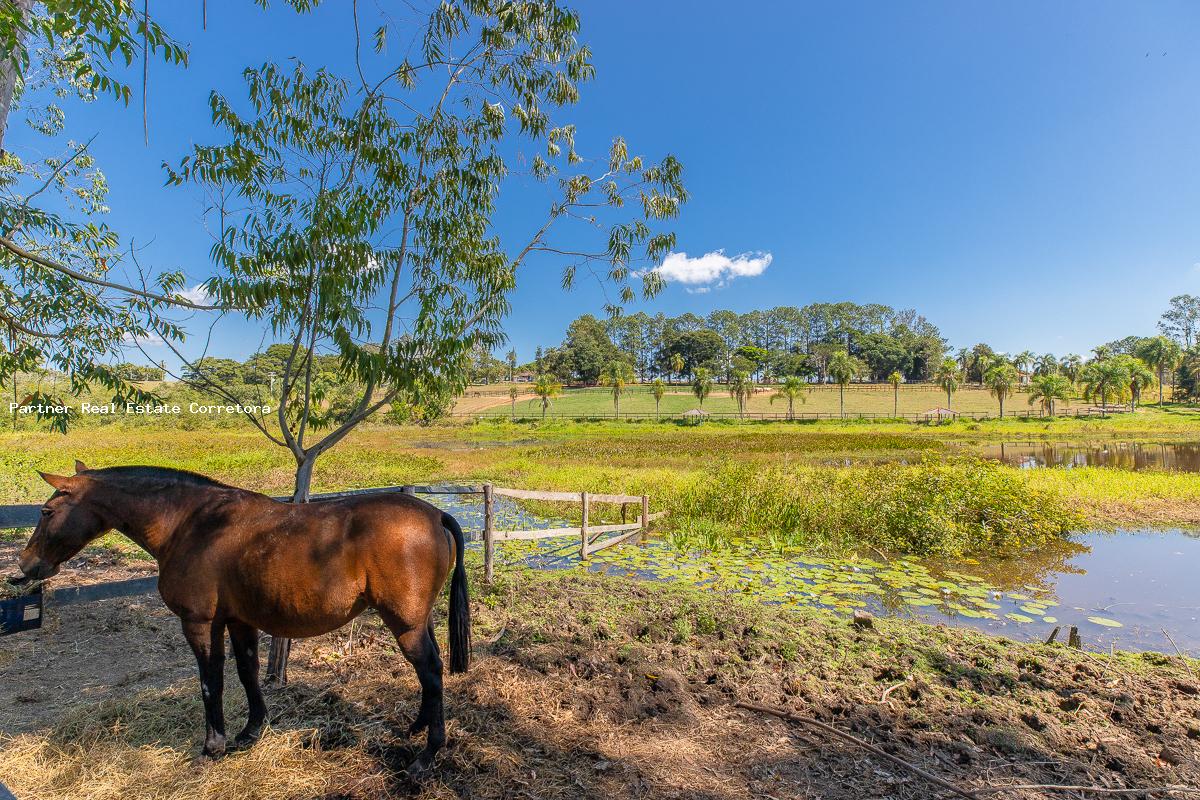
{"type": "Point", "coordinates": [944, 508]}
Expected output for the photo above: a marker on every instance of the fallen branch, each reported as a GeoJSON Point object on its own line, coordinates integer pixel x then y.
{"type": "Point", "coordinates": [788, 715]}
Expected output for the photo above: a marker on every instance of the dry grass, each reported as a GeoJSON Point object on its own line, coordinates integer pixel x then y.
{"type": "Point", "coordinates": [586, 686]}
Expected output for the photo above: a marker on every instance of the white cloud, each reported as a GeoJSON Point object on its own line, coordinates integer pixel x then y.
{"type": "Point", "coordinates": [149, 340]}
{"type": "Point", "coordinates": [711, 269]}
{"type": "Point", "coordinates": [197, 294]}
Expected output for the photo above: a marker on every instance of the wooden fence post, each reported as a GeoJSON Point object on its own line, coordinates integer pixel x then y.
{"type": "Point", "coordinates": [583, 529]}
{"type": "Point", "coordinates": [489, 541]}
{"type": "Point", "coordinates": [645, 511]}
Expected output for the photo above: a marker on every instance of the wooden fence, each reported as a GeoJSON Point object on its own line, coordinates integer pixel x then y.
{"type": "Point", "coordinates": [765, 416]}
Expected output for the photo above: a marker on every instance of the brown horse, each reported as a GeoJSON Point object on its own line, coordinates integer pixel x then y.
{"type": "Point", "coordinates": [231, 559]}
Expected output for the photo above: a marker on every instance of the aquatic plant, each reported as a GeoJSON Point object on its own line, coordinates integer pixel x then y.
{"type": "Point", "coordinates": [954, 507]}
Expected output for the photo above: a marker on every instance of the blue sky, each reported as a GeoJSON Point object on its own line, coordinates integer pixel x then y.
{"type": "Point", "coordinates": [1024, 174]}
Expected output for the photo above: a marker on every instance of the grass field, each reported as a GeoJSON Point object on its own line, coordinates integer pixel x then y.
{"type": "Point", "coordinates": [869, 400]}
{"type": "Point", "coordinates": [673, 462]}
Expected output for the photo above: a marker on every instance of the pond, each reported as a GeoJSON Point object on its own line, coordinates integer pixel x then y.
{"type": "Point", "coordinates": [1179, 457]}
{"type": "Point", "coordinates": [1134, 590]}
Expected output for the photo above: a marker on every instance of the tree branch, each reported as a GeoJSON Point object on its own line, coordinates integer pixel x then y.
{"type": "Point", "coordinates": [21, 252]}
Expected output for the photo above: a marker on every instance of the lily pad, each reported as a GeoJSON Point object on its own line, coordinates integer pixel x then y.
{"type": "Point", "coordinates": [1106, 622]}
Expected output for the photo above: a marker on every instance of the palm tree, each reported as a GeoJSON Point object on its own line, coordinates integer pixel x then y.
{"type": "Point", "coordinates": [895, 379]}
{"type": "Point", "coordinates": [741, 389]}
{"type": "Point", "coordinates": [512, 398]}
{"type": "Point", "coordinates": [1161, 354]}
{"type": "Point", "coordinates": [792, 389]}
{"type": "Point", "coordinates": [1048, 388]}
{"type": "Point", "coordinates": [1023, 361]}
{"type": "Point", "coordinates": [512, 365]}
{"type": "Point", "coordinates": [843, 367]}
{"type": "Point", "coordinates": [702, 384]}
{"type": "Point", "coordinates": [1071, 365]}
{"type": "Point", "coordinates": [1001, 379]}
{"type": "Point", "coordinates": [947, 376]}
{"type": "Point", "coordinates": [657, 389]}
{"type": "Point", "coordinates": [677, 364]}
{"type": "Point", "coordinates": [546, 387]}
{"type": "Point", "coordinates": [1140, 377]}
{"type": "Point", "coordinates": [1104, 380]}
{"type": "Point", "coordinates": [1045, 365]}
{"type": "Point", "coordinates": [616, 375]}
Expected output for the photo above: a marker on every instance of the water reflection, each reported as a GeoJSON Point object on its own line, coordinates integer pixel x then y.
{"type": "Point", "coordinates": [1179, 457]}
{"type": "Point", "coordinates": [1135, 590]}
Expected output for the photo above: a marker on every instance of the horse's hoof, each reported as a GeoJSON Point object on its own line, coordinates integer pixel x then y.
{"type": "Point", "coordinates": [245, 741]}
{"type": "Point", "coordinates": [420, 766]}
{"type": "Point", "coordinates": [210, 754]}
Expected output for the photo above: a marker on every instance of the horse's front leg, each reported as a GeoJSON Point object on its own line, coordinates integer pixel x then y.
{"type": "Point", "coordinates": [245, 650]}
{"type": "Point", "coordinates": [208, 644]}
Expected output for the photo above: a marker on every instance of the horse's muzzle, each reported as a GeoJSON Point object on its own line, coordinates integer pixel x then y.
{"type": "Point", "coordinates": [37, 569]}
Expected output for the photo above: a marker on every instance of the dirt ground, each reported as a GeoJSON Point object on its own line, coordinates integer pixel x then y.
{"type": "Point", "coordinates": [585, 686]}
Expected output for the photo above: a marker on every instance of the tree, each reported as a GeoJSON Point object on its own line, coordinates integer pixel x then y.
{"type": "Point", "coordinates": [843, 368]}
{"type": "Point", "coordinates": [512, 365]}
{"type": "Point", "coordinates": [1181, 319]}
{"type": "Point", "coordinates": [1071, 366]}
{"type": "Point", "coordinates": [512, 400]}
{"type": "Point", "coordinates": [947, 377]}
{"type": "Point", "coordinates": [616, 375]}
{"type": "Point", "coordinates": [741, 389]}
{"type": "Point", "coordinates": [1045, 365]}
{"type": "Point", "coordinates": [1023, 361]}
{"type": "Point", "coordinates": [657, 389]}
{"type": "Point", "coordinates": [1140, 377]}
{"type": "Point", "coordinates": [1001, 380]}
{"type": "Point", "coordinates": [1104, 381]}
{"type": "Point", "coordinates": [894, 379]}
{"type": "Point", "coordinates": [702, 384]}
{"type": "Point", "coordinates": [546, 388]}
{"type": "Point", "coordinates": [1161, 354]}
{"type": "Point", "coordinates": [63, 304]}
{"type": "Point", "coordinates": [383, 192]}
{"type": "Point", "coordinates": [792, 389]}
{"type": "Point", "coordinates": [1049, 388]}
{"type": "Point", "coordinates": [699, 348]}
{"type": "Point", "coordinates": [677, 364]}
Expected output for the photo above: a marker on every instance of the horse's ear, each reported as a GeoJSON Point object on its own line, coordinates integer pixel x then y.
{"type": "Point", "coordinates": [80, 466]}
{"type": "Point", "coordinates": [59, 482]}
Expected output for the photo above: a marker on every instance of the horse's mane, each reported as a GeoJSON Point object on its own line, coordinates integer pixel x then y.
{"type": "Point", "coordinates": [160, 475]}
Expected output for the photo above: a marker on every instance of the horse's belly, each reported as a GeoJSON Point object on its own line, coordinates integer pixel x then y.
{"type": "Point", "coordinates": [298, 623]}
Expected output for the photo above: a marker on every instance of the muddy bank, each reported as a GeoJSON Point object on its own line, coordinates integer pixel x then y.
{"type": "Point", "coordinates": [587, 686]}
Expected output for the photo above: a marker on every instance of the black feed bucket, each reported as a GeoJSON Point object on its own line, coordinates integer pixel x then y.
{"type": "Point", "coordinates": [21, 613]}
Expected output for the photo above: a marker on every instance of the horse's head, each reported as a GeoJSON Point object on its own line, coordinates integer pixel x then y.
{"type": "Point", "coordinates": [68, 523]}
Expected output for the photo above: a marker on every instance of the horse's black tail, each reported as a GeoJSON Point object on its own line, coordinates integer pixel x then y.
{"type": "Point", "coordinates": [460, 603]}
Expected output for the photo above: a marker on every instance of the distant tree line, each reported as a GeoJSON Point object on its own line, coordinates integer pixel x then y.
{"type": "Point", "coordinates": [768, 345]}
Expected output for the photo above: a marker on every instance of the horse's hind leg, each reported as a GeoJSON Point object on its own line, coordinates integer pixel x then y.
{"type": "Point", "coordinates": [245, 649]}
{"type": "Point", "coordinates": [421, 650]}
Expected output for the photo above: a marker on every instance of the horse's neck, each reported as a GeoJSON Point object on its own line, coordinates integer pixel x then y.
{"type": "Point", "coordinates": [151, 521]}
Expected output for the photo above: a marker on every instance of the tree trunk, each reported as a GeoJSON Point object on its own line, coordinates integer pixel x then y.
{"type": "Point", "coordinates": [1001, 399]}
{"type": "Point", "coordinates": [1160, 382]}
{"type": "Point", "coordinates": [281, 647]}
{"type": "Point", "coordinates": [841, 401]}
{"type": "Point", "coordinates": [896, 401]}
{"type": "Point", "coordinates": [8, 74]}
